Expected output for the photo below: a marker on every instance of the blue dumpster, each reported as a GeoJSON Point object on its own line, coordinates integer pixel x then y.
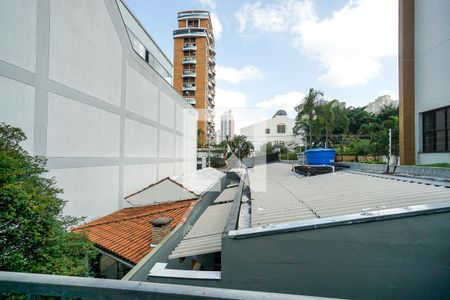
{"type": "Point", "coordinates": [320, 156]}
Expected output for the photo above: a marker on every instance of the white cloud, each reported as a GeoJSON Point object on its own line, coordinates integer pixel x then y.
{"type": "Point", "coordinates": [286, 102]}
{"type": "Point", "coordinates": [217, 25]}
{"type": "Point", "coordinates": [208, 3]}
{"type": "Point", "coordinates": [233, 75]}
{"type": "Point", "coordinates": [349, 45]}
{"type": "Point", "coordinates": [273, 17]}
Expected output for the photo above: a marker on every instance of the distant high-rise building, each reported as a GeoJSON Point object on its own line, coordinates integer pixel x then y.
{"type": "Point", "coordinates": [379, 103]}
{"type": "Point", "coordinates": [226, 126]}
{"type": "Point", "coordinates": [194, 72]}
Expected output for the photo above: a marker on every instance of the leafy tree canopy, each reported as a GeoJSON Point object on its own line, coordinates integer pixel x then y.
{"type": "Point", "coordinates": [34, 234]}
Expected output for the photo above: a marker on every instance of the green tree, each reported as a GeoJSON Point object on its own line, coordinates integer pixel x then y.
{"type": "Point", "coordinates": [307, 113]}
{"type": "Point", "coordinates": [240, 147]}
{"type": "Point", "coordinates": [357, 116]}
{"type": "Point", "coordinates": [34, 235]}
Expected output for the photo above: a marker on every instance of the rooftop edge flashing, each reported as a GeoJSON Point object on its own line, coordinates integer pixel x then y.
{"type": "Point", "coordinates": [365, 217]}
{"type": "Point", "coordinates": [159, 270]}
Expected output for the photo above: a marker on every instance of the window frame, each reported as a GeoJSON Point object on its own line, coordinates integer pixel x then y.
{"type": "Point", "coordinates": [426, 133]}
{"type": "Point", "coordinates": [284, 128]}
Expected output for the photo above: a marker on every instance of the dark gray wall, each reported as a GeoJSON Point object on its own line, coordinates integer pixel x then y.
{"type": "Point", "coordinates": [406, 258]}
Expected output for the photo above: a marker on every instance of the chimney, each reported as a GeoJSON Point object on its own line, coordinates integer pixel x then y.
{"type": "Point", "coordinates": [160, 228]}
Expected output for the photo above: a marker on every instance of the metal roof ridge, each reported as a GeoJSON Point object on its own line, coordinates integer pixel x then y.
{"type": "Point", "coordinates": [309, 224]}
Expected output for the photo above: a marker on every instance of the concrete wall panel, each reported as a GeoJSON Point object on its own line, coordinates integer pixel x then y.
{"type": "Point", "coordinates": [18, 46]}
{"type": "Point", "coordinates": [167, 110]}
{"type": "Point", "coordinates": [91, 192]}
{"type": "Point", "coordinates": [142, 95]}
{"type": "Point", "coordinates": [137, 177]}
{"type": "Point", "coordinates": [165, 170]}
{"type": "Point", "coordinates": [79, 130]}
{"type": "Point", "coordinates": [166, 144]}
{"type": "Point", "coordinates": [17, 108]}
{"type": "Point", "coordinates": [140, 139]}
{"type": "Point", "coordinates": [85, 52]}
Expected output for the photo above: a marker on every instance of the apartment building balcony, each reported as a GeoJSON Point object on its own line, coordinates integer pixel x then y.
{"type": "Point", "coordinates": [188, 73]}
{"type": "Point", "coordinates": [189, 60]}
{"type": "Point", "coordinates": [212, 51]}
{"type": "Point", "coordinates": [188, 87]}
{"type": "Point", "coordinates": [193, 15]}
{"type": "Point", "coordinates": [212, 71]}
{"type": "Point", "coordinates": [189, 47]}
{"type": "Point", "coordinates": [191, 100]}
{"type": "Point", "coordinates": [212, 60]}
{"type": "Point", "coordinates": [190, 32]}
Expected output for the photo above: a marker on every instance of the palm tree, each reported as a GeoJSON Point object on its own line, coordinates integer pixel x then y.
{"type": "Point", "coordinates": [308, 108]}
{"type": "Point", "coordinates": [327, 117]}
{"type": "Point", "coordinates": [240, 147]}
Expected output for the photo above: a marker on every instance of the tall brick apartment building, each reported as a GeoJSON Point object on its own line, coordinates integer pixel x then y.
{"type": "Point", "coordinates": [193, 63]}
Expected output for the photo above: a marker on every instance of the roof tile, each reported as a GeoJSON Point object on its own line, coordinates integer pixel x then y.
{"type": "Point", "coordinates": [127, 232]}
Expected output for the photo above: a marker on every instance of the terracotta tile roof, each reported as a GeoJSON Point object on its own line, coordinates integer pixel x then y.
{"type": "Point", "coordinates": [127, 233]}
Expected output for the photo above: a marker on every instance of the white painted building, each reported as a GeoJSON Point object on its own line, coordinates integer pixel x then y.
{"type": "Point", "coordinates": [424, 83]}
{"type": "Point", "coordinates": [379, 103]}
{"type": "Point", "coordinates": [277, 130]}
{"type": "Point", "coordinates": [92, 92]}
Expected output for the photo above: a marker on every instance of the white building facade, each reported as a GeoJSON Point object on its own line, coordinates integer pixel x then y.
{"type": "Point", "coordinates": [92, 92]}
{"type": "Point", "coordinates": [277, 130]}
{"type": "Point", "coordinates": [424, 81]}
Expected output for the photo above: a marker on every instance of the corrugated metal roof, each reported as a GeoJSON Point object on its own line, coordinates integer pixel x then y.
{"type": "Point", "coordinates": [290, 198]}
{"type": "Point", "coordinates": [206, 234]}
{"type": "Point", "coordinates": [227, 195]}
{"type": "Point", "coordinates": [199, 181]}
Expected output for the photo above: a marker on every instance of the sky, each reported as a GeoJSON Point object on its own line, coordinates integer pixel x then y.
{"type": "Point", "coordinates": [271, 52]}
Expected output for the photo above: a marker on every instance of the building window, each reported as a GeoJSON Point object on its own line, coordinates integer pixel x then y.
{"type": "Point", "coordinates": [193, 23]}
{"type": "Point", "coordinates": [267, 130]}
{"type": "Point", "coordinates": [436, 130]}
{"type": "Point", "coordinates": [188, 93]}
{"type": "Point", "coordinates": [281, 128]}
{"type": "Point", "coordinates": [189, 40]}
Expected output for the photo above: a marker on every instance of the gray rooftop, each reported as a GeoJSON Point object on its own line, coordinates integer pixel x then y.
{"type": "Point", "coordinates": [206, 234]}
{"type": "Point", "coordinates": [283, 197]}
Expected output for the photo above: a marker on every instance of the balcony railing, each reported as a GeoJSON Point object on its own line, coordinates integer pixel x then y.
{"type": "Point", "coordinates": [188, 74]}
{"type": "Point", "coordinates": [191, 100]}
{"type": "Point", "coordinates": [68, 287]}
{"type": "Point", "coordinates": [212, 60]}
{"type": "Point", "coordinates": [202, 32]}
{"type": "Point", "coordinates": [188, 87]}
{"type": "Point", "coordinates": [189, 47]}
{"type": "Point", "coordinates": [189, 60]}
{"type": "Point", "coordinates": [193, 15]}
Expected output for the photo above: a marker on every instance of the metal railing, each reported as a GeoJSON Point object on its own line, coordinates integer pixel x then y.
{"type": "Point", "coordinates": [67, 287]}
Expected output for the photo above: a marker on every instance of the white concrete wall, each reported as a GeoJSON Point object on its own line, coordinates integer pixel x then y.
{"type": "Point", "coordinates": [257, 133]}
{"type": "Point", "coordinates": [432, 66]}
{"type": "Point", "coordinates": [107, 122]}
